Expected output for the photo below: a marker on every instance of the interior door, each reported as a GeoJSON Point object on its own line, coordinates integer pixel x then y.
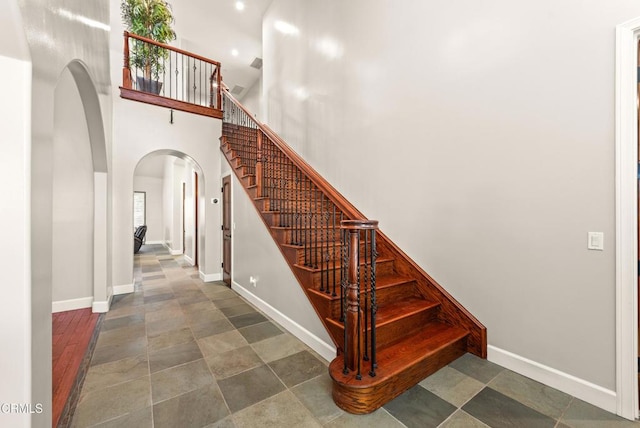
{"type": "Point", "coordinates": [226, 230]}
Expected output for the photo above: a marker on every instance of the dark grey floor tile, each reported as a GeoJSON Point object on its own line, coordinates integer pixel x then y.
{"type": "Point", "coordinates": [233, 362]}
{"type": "Point", "coordinates": [125, 321]}
{"type": "Point", "coordinates": [234, 311]}
{"type": "Point", "coordinates": [249, 387]}
{"type": "Point", "coordinates": [154, 277]}
{"type": "Point", "coordinates": [151, 268]}
{"type": "Point", "coordinates": [379, 418]}
{"type": "Point", "coordinates": [167, 324]}
{"type": "Point", "coordinates": [418, 407]}
{"type": "Point", "coordinates": [220, 343]}
{"type": "Point", "coordinates": [227, 302]}
{"type": "Point", "coordinates": [477, 368]}
{"type": "Point", "coordinates": [261, 331]}
{"type": "Point", "coordinates": [197, 408]}
{"type": "Point", "coordinates": [499, 411]}
{"type": "Point", "coordinates": [174, 356]}
{"type": "Point", "coordinates": [247, 319]}
{"type": "Point", "coordinates": [583, 415]}
{"type": "Point", "coordinates": [546, 400]}
{"type": "Point", "coordinates": [297, 368]}
{"type": "Point", "coordinates": [121, 335]}
{"type": "Point", "coordinates": [178, 380]}
{"type": "Point", "coordinates": [277, 347]}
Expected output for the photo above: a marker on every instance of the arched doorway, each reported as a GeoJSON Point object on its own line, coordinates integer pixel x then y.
{"type": "Point", "coordinates": [172, 185]}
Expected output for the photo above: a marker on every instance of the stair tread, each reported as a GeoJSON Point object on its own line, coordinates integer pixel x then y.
{"type": "Point", "coordinates": [382, 282]}
{"type": "Point", "coordinates": [399, 309]}
{"type": "Point", "coordinates": [338, 265]}
{"type": "Point", "coordinates": [397, 357]}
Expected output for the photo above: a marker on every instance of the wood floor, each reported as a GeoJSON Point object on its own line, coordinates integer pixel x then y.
{"type": "Point", "coordinates": [72, 334]}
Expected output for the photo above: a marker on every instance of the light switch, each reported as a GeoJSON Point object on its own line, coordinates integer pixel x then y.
{"type": "Point", "coordinates": [596, 241]}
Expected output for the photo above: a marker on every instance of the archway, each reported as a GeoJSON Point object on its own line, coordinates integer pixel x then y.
{"type": "Point", "coordinates": [172, 182]}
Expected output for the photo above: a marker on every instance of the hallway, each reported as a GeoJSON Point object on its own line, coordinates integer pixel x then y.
{"type": "Point", "coordinates": [179, 352]}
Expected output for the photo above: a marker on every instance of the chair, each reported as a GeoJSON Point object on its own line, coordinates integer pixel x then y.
{"type": "Point", "coordinates": [138, 238]}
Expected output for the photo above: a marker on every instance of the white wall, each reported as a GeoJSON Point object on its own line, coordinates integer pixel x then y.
{"type": "Point", "coordinates": [55, 41]}
{"type": "Point", "coordinates": [256, 254]}
{"type": "Point", "coordinates": [72, 212]}
{"type": "Point", "coordinates": [252, 99]}
{"type": "Point", "coordinates": [15, 306]}
{"type": "Point", "coordinates": [152, 186]}
{"type": "Point", "coordinates": [484, 140]}
{"type": "Point", "coordinates": [140, 129]}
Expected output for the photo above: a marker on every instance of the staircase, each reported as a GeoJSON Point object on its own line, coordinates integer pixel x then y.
{"type": "Point", "coordinates": [401, 325]}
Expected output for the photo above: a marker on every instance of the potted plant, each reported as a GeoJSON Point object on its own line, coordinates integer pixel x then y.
{"type": "Point", "coordinates": [151, 19]}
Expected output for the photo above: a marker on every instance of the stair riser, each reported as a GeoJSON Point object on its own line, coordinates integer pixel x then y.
{"type": "Point", "coordinates": [290, 236]}
{"type": "Point", "coordinates": [383, 296]}
{"type": "Point", "coordinates": [387, 334]}
{"type": "Point", "coordinates": [365, 400]}
{"type": "Point", "coordinates": [315, 280]}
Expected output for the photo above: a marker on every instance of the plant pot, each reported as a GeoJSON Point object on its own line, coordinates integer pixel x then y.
{"type": "Point", "coordinates": [148, 85]}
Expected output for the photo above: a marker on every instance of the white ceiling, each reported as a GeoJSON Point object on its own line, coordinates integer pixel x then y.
{"type": "Point", "coordinates": [213, 28]}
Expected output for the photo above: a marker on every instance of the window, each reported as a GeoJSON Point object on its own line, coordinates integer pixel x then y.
{"type": "Point", "coordinates": [139, 209]}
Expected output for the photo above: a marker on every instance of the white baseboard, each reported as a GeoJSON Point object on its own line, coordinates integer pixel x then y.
{"type": "Point", "coordinates": [124, 288]}
{"type": "Point", "coordinates": [326, 350]}
{"type": "Point", "coordinates": [153, 242]}
{"type": "Point", "coordinates": [210, 277]}
{"type": "Point", "coordinates": [580, 388]}
{"type": "Point", "coordinates": [101, 307]}
{"type": "Point", "coordinates": [71, 304]}
{"type": "Point", "coordinates": [171, 251]}
{"type": "Point", "coordinates": [189, 260]}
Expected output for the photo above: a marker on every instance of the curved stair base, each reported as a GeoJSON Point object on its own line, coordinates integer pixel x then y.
{"type": "Point", "coordinates": [400, 367]}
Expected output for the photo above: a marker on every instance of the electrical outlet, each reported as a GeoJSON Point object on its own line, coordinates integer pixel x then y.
{"type": "Point", "coordinates": [253, 281]}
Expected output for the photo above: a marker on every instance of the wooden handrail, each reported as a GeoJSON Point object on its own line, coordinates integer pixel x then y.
{"type": "Point", "coordinates": [336, 197]}
{"type": "Point", "coordinates": [171, 48]}
{"type": "Point", "coordinates": [167, 89]}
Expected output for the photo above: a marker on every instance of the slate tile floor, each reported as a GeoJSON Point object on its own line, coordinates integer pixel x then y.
{"type": "Point", "coordinates": [182, 353]}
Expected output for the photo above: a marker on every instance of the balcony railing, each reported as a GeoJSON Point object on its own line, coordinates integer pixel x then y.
{"type": "Point", "coordinates": [159, 74]}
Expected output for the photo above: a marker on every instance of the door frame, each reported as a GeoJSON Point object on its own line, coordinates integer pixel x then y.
{"type": "Point", "coordinates": [626, 218]}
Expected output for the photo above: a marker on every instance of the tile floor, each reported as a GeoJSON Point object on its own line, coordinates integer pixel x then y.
{"type": "Point", "coordinates": [182, 353]}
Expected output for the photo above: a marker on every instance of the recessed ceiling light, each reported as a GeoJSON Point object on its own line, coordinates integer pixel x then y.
{"type": "Point", "coordinates": [240, 5]}
{"type": "Point", "coordinates": [234, 52]}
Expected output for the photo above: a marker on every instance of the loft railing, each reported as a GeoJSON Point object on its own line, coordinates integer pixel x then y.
{"type": "Point", "coordinates": [338, 244]}
{"type": "Point", "coordinates": [156, 73]}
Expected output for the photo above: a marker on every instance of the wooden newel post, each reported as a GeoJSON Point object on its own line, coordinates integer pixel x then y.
{"type": "Point", "coordinates": [358, 291]}
{"type": "Point", "coordinates": [259, 165]}
{"type": "Point", "coordinates": [353, 324]}
{"type": "Point", "coordinates": [126, 71]}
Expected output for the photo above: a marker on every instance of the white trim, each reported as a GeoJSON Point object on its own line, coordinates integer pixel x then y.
{"type": "Point", "coordinates": [71, 304]}
{"type": "Point", "coordinates": [580, 388]}
{"type": "Point", "coordinates": [326, 350]}
{"type": "Point", "coordinates": [153, 242]}
{"type": "Point", "coordinates": [626, 219]}
{"type": "Point", "coordinates": [102, 306]}
{"type": "Point", "coordinates": [189, 260]}
{"type": "Point", "coordinates": [172, 252]}
{"type": "Point", "coordinates": [210, 277]}
{"type": "Point", "coordinates": [123, 289]}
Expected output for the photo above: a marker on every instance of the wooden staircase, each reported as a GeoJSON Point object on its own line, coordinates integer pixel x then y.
{"type": "Point", "coordinates": [418, 326]}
